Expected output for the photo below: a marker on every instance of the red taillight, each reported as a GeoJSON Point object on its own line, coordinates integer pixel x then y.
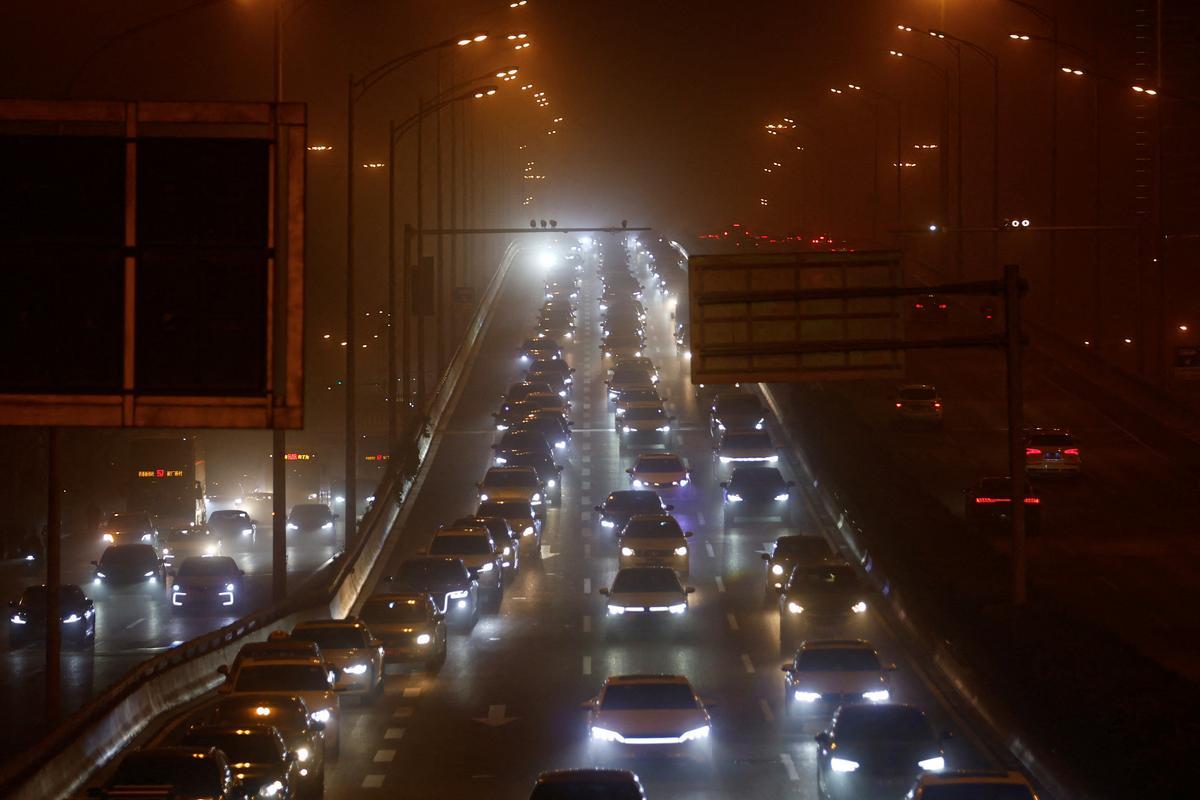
{"type": "Point", "coordinates": [1033, 501]}
{"type": "Point", "coordinates": [1032, 451]}
{"type": "Point", "coordinates": [985, 500]}
{"type": "Point", "coordinates": [942, 306]}
{"type": "Point", "coordinates": [1071, 451]}
{"type": "Point", "coordinates": [918, 306]}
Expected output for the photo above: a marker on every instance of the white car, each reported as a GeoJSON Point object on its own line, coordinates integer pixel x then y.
{"type": "Point", "coordinates": [645, 425]}
{"type": "Point", "coordinates": [647, 592]}
{"type": "Point", "coordinates": [1052, 451]}
{"type": "Point", "coordinates": [310, 679]}
{"type": "Point", "coordinates": [659, 471]}
{"type": "Point", "coordinates": [656, 716]}
{"type": "Point", "coordinates": [746, 446]}
{"type": "Point", "coordinates": [512, 483]}
{"type": "Point", "coordinates": [832, 672]}
{"type": "Point", "coordinates": [654, 540]}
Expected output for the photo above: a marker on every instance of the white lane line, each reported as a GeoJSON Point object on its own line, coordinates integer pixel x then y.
{"type": "Point", "coordinates": [412, 691]}
{"type": "Point", "coordinates": [587, 624]}
{"type": "Point", "coordinates": [587, 585]}
{"type": "Point", "coordinates": [585, 516]}
{"type": "Point", "coordinates": [545, 551]}
{"type": "Point", "coordinates": [708, 549]}
{"type": "Point", "coordinates": [747, 663]}
{"type": "Point", "coordinates": [585, 472]}
{"type": "Point", "coordinates": [585, 485]}
{"type": "Point", "coordinates": [732, 620]}
{"type": "Point", "coordinates": [587, 665]}
{"type": "Point", "coordinates": [394, 733]}
{"type": "Point", "coordinates": [135, 623]}
{"type": "Point", "coordinates": [720, 584]}
{"type": "Point", "coordinates": [701, 518]}
{"type": "Point", "coordinates": [384, 756]}
{"type": "Point", "coordinates": [372, 781]}
{"type": "Point", "coordinates": [404, 712]}
{"type": "Point", "coordinates": [766, 709]}
{"type": "Point", "coordinates": [585, 499]}
{"type": "Point", "coordinates": [789, 767]}
{"type": "Point", "coordinates": [587, 551]}
{"type": "Point", "coordinates": [587, 406]}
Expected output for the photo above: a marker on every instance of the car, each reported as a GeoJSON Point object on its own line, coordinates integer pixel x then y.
{"type": "Point", "coordinates": [819, 595]}
{"type": "Point", "coordinates": [549, 425]}
{"type": "Point", "coordinates": [454, 591]}
{"type": "Point", "coordinates": [540, 347]}
{"type": "Point", "coordinates": [616, 345]}
{"type": "Point", "coordinates": [475, 547]}
{"type": "Point", "coordinates": [627, 306]}
{"type": "Point", "coordinates": [929, 308]}
{"type": "Point", "coordinates": [555, 365]}
{"type": "Point", "coordinates": [627, 377]}
{"type": "Point", "coordinates": [511, 483]}
{"type": "Point", "coordinates": [620, 506]}
{"type": "Point", "coordinates": [827, 673]}
{"type": "Point", "coordinates": [524, 441]}
{"type": "Point", "coordinates": [918, 404]}
{"type": "Point", "coordinates": [553, 382]}
{"type": "Point", "coordinates": [736, 411]}
{"type": "Point", "coordinates": [753, 491]}
{"type": "Point", "coordinates": [875, 750]}
{"type": "Point", "coordinates": [987, 502]}
{"type": "Point", "coordinates": [641, 361]}
{"type": "Point", "coordinates": [546, 469]}
{"type": "Point", "coordinates": [646, 592]}
{"type": "Point", "coordinates": [654, 716]}
{"type": "Point", "coordinates": [644, 424]}
{"type": "Point", "coordinates": [129, 563]}
{"type": "Point", "coordinates": [522, 389]}
{"type": "Point", "coordinates": [618, 326]}
{"type": "Point", "coordinates": [207, 582]}
{"type": "Point", "coordinates": [574, 784]}
{"type": "Point", "coordinates": [653, 540]}
{"type": "Point", "coordinates": [27, 622]}
{"type": "Point", "coordinates": [310, 517]}
{"type": "Point", "coordinates": [552, 400]}
{"type": "Point", "coordinates": [790, 551]}
{"type": "Point", "coordinates": [519, 514]}
{"type": "Point", "coordinates": [410, 626]}
{"type": "Point", "coordinates": [681, 335]}
{"type": "Point", "coordinates": [189, 542]}
{"type": "Point", "coordinates": [310, 679]}
{"type": "Point", "coordinates": [1052, 452]}
{"type": "Point", "coordinates": [558, 327]}
{"type": "Point", "coordinates": [645, 396]}
{"type": "Point", "coordinates": [972, 785]}
{"type": "Point", "coordinates": [279, 646]}
{"type": "Point", "coordinates": [181, 772]}
{"type": "Point", "coordinates": [508, 543]}
{"type": "Point", "coordinates": [512, 412]}
{"type": "Point", "coordinates": [305, 738]}
{"type": "Point", "coordinates": [659, 471]}
{"type": "Point", "coordinates": [262, 765]}
{"type": "Point", "coordinates": [746, 446]}
{"type": "Point", "coordinates": [231, 523]}
{"type": "Point", "coordinates": [129, 528]}
{"type": "Point", "coordinates": [347, 644]}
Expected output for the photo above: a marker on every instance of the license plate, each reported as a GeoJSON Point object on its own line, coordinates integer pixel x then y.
{"type": "Point", "coordinates": [1054, 456]}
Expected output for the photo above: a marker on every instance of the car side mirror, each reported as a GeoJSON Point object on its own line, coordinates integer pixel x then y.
{"type": "Point", "coordinates": [890, 668]}
{"type": "Point", "coordinates": [375, 643]}
{"type": "Point", "coordinates": [603, 591]}
{"type": "Point", "coordinates": [589, 704]}
{"type": "Point", "coordinates": [688, 534]}
{"type": "Point", "coordinates": [689, 589]}
{"type": "Point", "coordinates": [629, 471]}
{"type": "Point", "coordinates": [822, 739]}
{"type": "Point", "coordinates": [572, 369]}
{"type": "Point", "coordinates": [724, 484]}
{"type": "Point", "coordinates": [766, 556]}
{"type": "Point", "coordinates": [94, 563]}
{"type": "Point", "coordinates": [290, 757]}
{"type": "Point", "coordinates": [779, 590]}
{"type": "Point", "coordinates": [438, 615]}
{"type": "Point", "coordinates": [788, 668]}
{"type": "Point", "coordinates": [241, 573]}
{"type": "Point", "coordinates": [670, 507]}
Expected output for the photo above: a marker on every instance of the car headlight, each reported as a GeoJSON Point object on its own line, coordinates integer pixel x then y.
{"type": "Point", "coordinates": [16, 619]}
{"type": "Point", "coordinates": [291, 526]}
{"type": "Point", "coordinates": [806, 697]}
{"type": "Point", "coordinates": [424, 639]}
{"type": "Point", "coordinates": [328, 526]}
{"type": "Point", "coordinates": [320, 716]}
{"type": "Point", "coordinates": [935, 764]}
{"type": "Point", "coordinates": [355, 669]}
{"type": "Point", "coordinates": [733, 498]}
{"type": "Point", "coordinates": [681, 550]}
{"type": "Point", "coordinates": [108, 537]}
{"type": "Point", "coordinates": [637, 483]}
{"type": "Point", "coordinates": [605, 735]}
{"type": "Point", "coordinates": [626, 551]}
{"type": "Point", "coordinates": [726, 460]}
{"type": "Point", "coordinates": [772, 459]}
{"type": "Point", "coordinates": [100, 575]}
{"type": "Point", "coordinates": [247, 531]}
{"type": "Point", "coordinates": [842, 764]}
{"type": "Point", "coordinates": [758, 426]}
{"type": "Point", "coordinates": [537, 497]}
{"type": "Point", "coordinates": [500, 426]}
{"type": "Point", "coordinates": [560, 445]}
{"type": "Point", "coordinates": [794, 608]}
{"type": "Point", "coordinates": [528, 531]}
{"type": "Point", "coordinates": [616, 609]}
{"type": "Point", "coordinates": [486, 567]}
{"type": "Point", "coordinates": [149, 574]}
{"type": "Point", "coordinates": [877, 696]}
{"type": "Point", "coordinates": [508, 551]}
{"type": "Point", "coordinates": [777, 569]}
{"type": "Point", "coordinates": [859, 607]}
{"type": "Point", "coordinates": [166, 551]}
{"type": "Point", "coordinates": [627, 429]}
{"type": "Point", "coordinates": [457, 595]}
{"type": "Point", "coordinates": [175, 587]}
{"type": "Point", "coordinates": [229, 587]}
{"type": "Point", "coordinates": [720, 425]}
{"type": "Point", "coordinates": [696, 733]}
{"type": "Point", "coordinates": [607, 523]}
{"type": "Point", "coordinates": [781, 497]}
{"type": "Point", "coordinates": [303, 754]}
{"type": "Point", "coordinates": [483, 496]}
{"type": "Point", "coordinates": [501, 461]}
{"type": "Point", "coordinates": [665, 429]}
{"type": "Point", "coordinates": [677, 608]}
{"type": "Point", "coordinates": [562, 393]}
{"type": "Point", "coordinates": [271, 789]}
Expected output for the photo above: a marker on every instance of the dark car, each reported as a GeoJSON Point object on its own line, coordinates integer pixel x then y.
{"type": "Point", "coordinates": [620, 506]}
{"type": "Point", "coordinates": [757, 491]}
{"type": "Point", "coordinates": [310, 517]}
{"type": "Point", "coordinates": [987, 504]}
{"type": "Point", "coordinates": [129, 563]}
{"type": "Point", "coordinates": [184, 772]}
{"type": "Point", "coordinates": [588, 784]}
{"type": "Point", "coordinates": [816, 595]}
{"type": "Point", "coordinates": [547, 470]}
{"type": "Point", "coordinates": [736, 411]}
{"type": "Point", "coordinates": [304, 736]}
{"type": "Point", "coordinates": [129, 528]}
{"type": "Point", "coordinates": [540, 347]}
{"type": "Point", "coordinates": [513, 441]}
{"type": "Point", "coordinates": [264, 766]}
{"type": "Point", "coordinates": [512, 412]}
{"type": "Point", "coordinates": [876, 751]}
{"type": "Point", "coordinates": [556, 365]}
{"type": "Point", "coordinates": [187, 542]}
{"type": "Point", "coordinates": [930, 308]}
{"type": "Point", "coordinates": [508, 543]}
{"type": "Point", "coordinates": [410, 626]}
{"type": "Point", "coordinates": [522, 389]}
{"type": "Point", "coordinates": [551, 426]}
{"type": "Point", "coordinates": [552, 380]}
{"type": "Point", "coordinates": [231, 524]}
{"type": "Point", "coordinates": [447, 580]}
{"type": "Point", "coordinates": [27, 622]}
{"type": "Point", "coordinates": [790, 551]}
{"type": "Point", "coordinates": [213, 583]}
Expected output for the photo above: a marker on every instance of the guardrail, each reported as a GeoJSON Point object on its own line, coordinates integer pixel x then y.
{"type": "Point", "coordinates": [1052, 777]}
{"type": "Point", "coordinates": [66, 758]}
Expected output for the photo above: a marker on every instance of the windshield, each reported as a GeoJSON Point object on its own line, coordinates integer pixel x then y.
{"type": "Point", "coordinates": [801, 547]}
{"type": "Point", "coordinates": [385, 611]}
{"type": "Point", "coordinates": [508, 510]}
{"type": "Point", "coordinates": [631, 373]}
{"type": "Point", "coordinates": [978, 791]}
{"type": "Point", "coordinates": [127, 522]}
{"type": "Point", "coordinates": [129, 556]}
{"type": "Point", "coordinates": [883, 722]}
{"type": "Point", "coordinates": [311, 513]}
{"type": "Point", "coordinates": [918, 393]}
{"type": "Point", "coordinates": [193, 777]}
{"type": "Point", "coordinates": [185, 535]}
{"type": "Point", "coordinates": [1052, 440]}
{"type": "Point", "coordinates": [751, 439]}
{"type": "Point", "coordinates": [639, 396]}
{"type": "Point", "coordinates": [647, 579]}
{"type": "Point", "coordinates": [586, 789]}
{"type": "Point", "coordinates": [34, 598]}
{"type": "Point", "coordinates": [286, 718]}
{"type": "Point", "coordinates": [333, 637]}
{"type": "Point", "coordinates": [460, 545]}
{"type": "Point", "coordinates": [228, 516]}
{"type": "Point", "coordinates": [538, 461]}
{"type": "Point", "coordinates": [633, 501]}
{"type": "Point", "coordinates": [282, 678]}
{"type": "Point", "coordinates": [247, 748]}
{"type": "Point", "coordinates": [220, 566]}
{"type": "Point", "coordinates": [658, 527]}
{"type": "Point", "coordinates": [510, 478]}
{"type": "Point", "coordinates": [645, 413]}
{"type": "Point", "coordinates": [824, 579]}
{"type": "Point", "coordinates": [741, 405]}
{"type": "Point", "coordinates": [855, 659]}
{"type": "Point", "coordinates": [524, 440]}
{"type": "Point", "coordinates": [632, 696]}
{"type": "Point", "coordinates": [439, 570]}
{"type": "Point", "coordinates": [756, 478]}
{"type": "Point", "coordinates": [659, 465]}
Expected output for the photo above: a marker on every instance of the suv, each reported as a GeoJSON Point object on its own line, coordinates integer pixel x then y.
{"type": "Point", "coordinates": [232, 523]}
{"type": "Point", "coordinates": [28, 620]}
{"type": "Point", "coordinates": [129, 563]}
{"type": "Point", "coordinates": [199, 581]}
{"type": "Point", "coordinates": [348, 646]}
{"type": "Point", "coordinates": [446, 580]}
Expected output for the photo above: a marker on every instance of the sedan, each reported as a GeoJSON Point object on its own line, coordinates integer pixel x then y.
{"type": "Point", "coordinates": [622, 344]}
{"type": "Point", "coordinates": [653, 540]}
{"type": "Point", "coordinates": [828, 594]}
{"type": "Point", "coordinates": [988, 501]}
{"type": "Point", "coordinates": [572, 784]}
{"type": "Point", "coordinates": [628, 377]}
{"type": "Point", "coordinates": [918, 405]}
{"type": "Point", "coordinates": [1052, 452]}
{"type": "Point", "coordinates": [511, 483]}
{"type": "Point", "coordinates": [187, 542]}
{"type": "Point", "coordinates": [201, 582]}
{"type": "Point", "coordinates": [507, 541]}
{"type": "Point", "coordinates": [289, 715]}
{"type": "Point", "coordinates": [525, 441]}
{"type": "Point", "coordinates": [646, 592]}
{"type": "Point", "coordinates": [546, 469]}
{"type": "Point", "coordinates": [348, 646]}
{"type": "Point", "coordinates": [522, 389]}
{"type": "Point", "coordinates": [190, 773]}
{"type": "Point", "coordinates": [645, 425]}
{"type": "Point", "coordinates": [828, 673]}
{"type": "Point", "coordinates": [231, 523]}
{"type": "Point", "coordinates": [310, 517]}
{"type": "Point", "coordinates": [27, 622]}
{"type": "Point", "coordinates": [551, 426]}
{"type": "Point", "coordinates": [972, 784]}
{"type": "Point", "coordinates": [789, 552]}
{"type": "Point", "coordinates": [741, 446]}
{"type": "Point", "coordinates": [736, 411]}
{"type": "Point", "coordinates": [659, 471]}
{"type": "Point", "coordinates": [257, 752]}
{"type": "Point", "coordinates": [620, 506]}
{"type": "Point", "coordinates": [876, 750]}
{"type": "Point", "coordinates": [454, 591]}
{"type": "Point", "coordinates": [655, 716]}
{"type": "Point", "coordinates": [757, 492]}
{"type": "Point", "coordinates": [475, 547]}
{"type": "Point", "coordinates": [410, 626]}
{"type": "Point", "coordinates": [645, 396]}
{"type": "Point", "coordinates": [520, 516]}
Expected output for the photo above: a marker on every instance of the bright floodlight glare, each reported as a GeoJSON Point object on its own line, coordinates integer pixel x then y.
{"type": "Point", "coordinates": [546, 259]}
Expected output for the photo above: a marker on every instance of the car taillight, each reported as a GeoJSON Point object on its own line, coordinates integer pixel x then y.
{"type": "Point", "coordinates": [918, 306]}
{"type": "Point", "coordinates": [983, 500]}
{"type": "Point", "coordinates": [1032, 451]}
{"type": "Point", "coordinates": [899, 405]}
{"type": "Point", "coordinates": [1071, 451]}
{"type": "Point", "coordinates": [941, 306]}
{"type": "Point", "coordinates": [937, 404]}
{"type": "Point", "coordinates": [1033, 501]}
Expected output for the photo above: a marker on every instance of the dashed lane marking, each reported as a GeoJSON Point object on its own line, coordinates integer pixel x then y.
{"type": "Point", "coordinates": [394, 733]}
{"type": "Point", "coordinates": [747, 663]}
{"type": "Point", "coordinates": [404, 712]}
{"type": "Point", "coordinates": [384, 756]}
{"type": "Point", "coordinates": [412, 691]}
{"type": "Point", "coordinates": [587, 665]}
{"type": "Point", "coordinates": [587, 624]}
{"type": "Point", "coordinates": [372, 781]}
{"type": "Point", "coordinates": [135, 623]}
{"type": "Point", "coordinates": [720, 584]}
{"type": "Point", "coordinates": [708, 548]}
{"type": "Point", "coordinates": [587, 585]}
{"type": "Point", "coordinates": [732, 620]}
{"type": "Point", "coordinates": [768, 715]}
{"type": "Point", "coordinates": [789, 766]}
{"type": "Point", "coordinates": [587, 551]}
